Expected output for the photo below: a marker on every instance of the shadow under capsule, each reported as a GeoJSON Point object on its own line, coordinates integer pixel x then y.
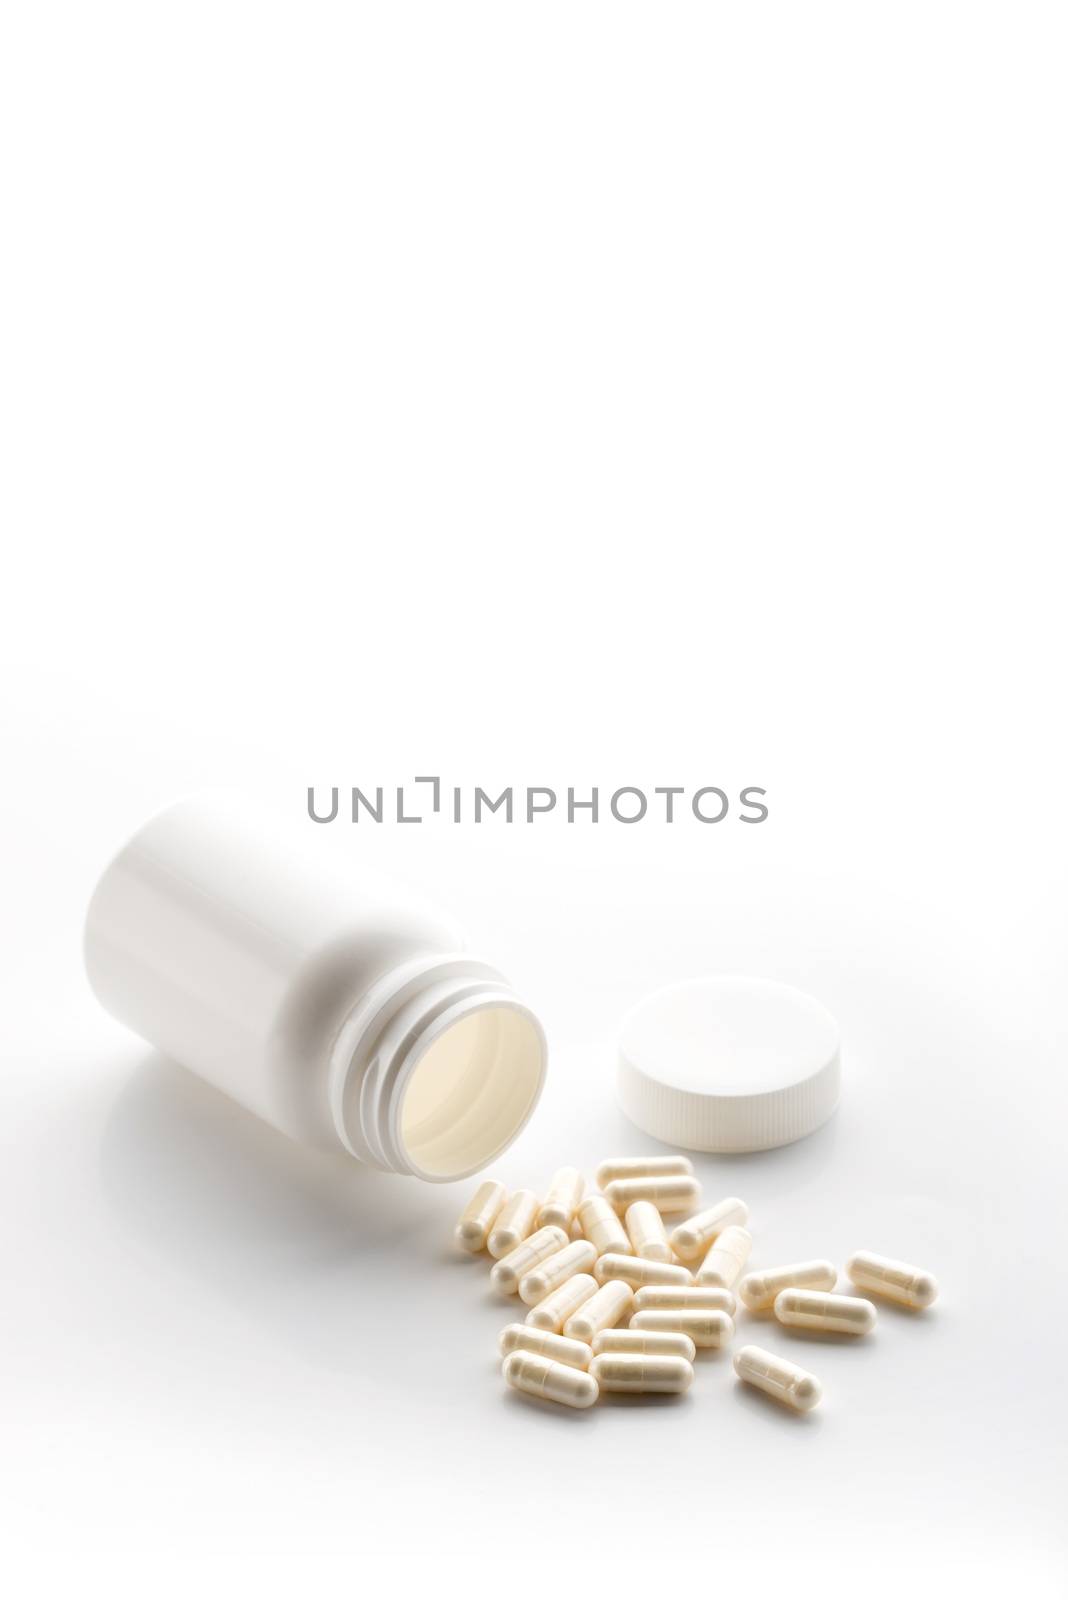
{"type": "Point", "coordinates": [551, 1410]}
{"type": "Point", "coordinates": [643, 1402]}
{"type": "Point", "coordinates": [831, 1336]}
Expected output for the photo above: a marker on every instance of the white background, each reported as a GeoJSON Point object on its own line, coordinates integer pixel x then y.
{"type": "Point", "coordinates": [562, 394]}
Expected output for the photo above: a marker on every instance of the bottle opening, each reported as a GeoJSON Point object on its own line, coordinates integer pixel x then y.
{"type": "Point", "coordinates": [471, 1090]}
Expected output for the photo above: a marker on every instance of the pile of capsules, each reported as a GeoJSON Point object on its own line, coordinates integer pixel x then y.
{"type": "Point", "coordinates": [619, 1305]}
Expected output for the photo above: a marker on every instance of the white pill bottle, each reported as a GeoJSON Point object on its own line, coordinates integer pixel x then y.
{"type": "Point", "coordinates": [324, 1000]}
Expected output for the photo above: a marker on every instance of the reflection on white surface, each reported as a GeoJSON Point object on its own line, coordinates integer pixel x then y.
{"type": "Point", "coordinates": [235, 1294]}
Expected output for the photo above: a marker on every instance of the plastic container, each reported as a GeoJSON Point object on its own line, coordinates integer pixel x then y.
{"type": "Point", "coordinates": [324, 1000]}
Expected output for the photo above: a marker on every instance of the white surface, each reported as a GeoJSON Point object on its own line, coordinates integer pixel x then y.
{"type": "Point", "coordinates": [728, 1064]}
{"type": "Point", "coordinates": [601, 394]}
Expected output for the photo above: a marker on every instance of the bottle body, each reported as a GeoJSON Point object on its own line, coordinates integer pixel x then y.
{"type": "Point", "coordinates": [342, 1012]}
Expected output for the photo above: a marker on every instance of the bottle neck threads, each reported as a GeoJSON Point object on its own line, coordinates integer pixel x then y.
{"type": "Point", "coordinates": [436, 1069]}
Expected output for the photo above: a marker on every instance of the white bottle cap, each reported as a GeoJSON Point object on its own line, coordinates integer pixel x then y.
{"type": "Point", "coordinates": [728, 1064]}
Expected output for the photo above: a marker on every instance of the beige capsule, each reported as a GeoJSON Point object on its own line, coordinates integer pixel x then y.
{"type": "Point", "coordinates": [479, 1215]}
{"type": "Point", "coordinates": [578, 1256]}
{"type": "Point", "coordinates": [520, 1336]}
{"type": "Point", "coordinates": [602, 1227]}
{"type": "Point", "coordinates": [549, 1380]}
{"type": "Point", "coordinates": [828, 1313]}
{"type": "Point", "coordinates": [552, 1312]}
{"type": "Point", "coordinates": [515, 1223]}
{"type": "Point", "coordinates": [692, 1238]}
{"type": "Point", "coordinates": [780, 1378]}
{"type": "Point", "coordinates": [562, 1200]}
{"type": "Point", "coordinates": [667, 1194]}
{"type": "Point", "coordinates": [635, 1342]}
{"type": "Point", "coordinates": [632, 1270]}
{"type": "Point", "coordinates": [525, 1257]}
{"type": "Point", "coordinates": [895, 1280]}
{"type": "Point", "coordinates": [757, 1290]}
{"type": "Point", "coordinates": [623, 1372]}
{"type": "Point", "coordinates": [709, 1330]}
{"type": "Point", "coordinates": [723, 1264]}
{"type": "Point", "coordinates": [609, 1305]}
{"type": "Point", "coordinates": [646, 1231]}
{"type": "Point", "coordinates": [684, 1297]}
{"type": "Point", "coordinates": [643, 1167]}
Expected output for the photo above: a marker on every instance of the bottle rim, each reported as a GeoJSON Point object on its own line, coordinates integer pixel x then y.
{"type": "Point", "coordinates": [436, 1070]}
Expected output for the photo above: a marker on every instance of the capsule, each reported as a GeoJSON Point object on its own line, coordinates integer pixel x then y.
{"type": "Point", "coordinates": [830, 1313]}
{"type": "Point", "coordinates": [549, 1380]}
{"type": "Point", "coordinates": [646, 1231]}
{"type": "Point", "coordinates": [578, 1256]}
{"type": "Point", "coordinates": [515, 1223]}
{"type": "Point", "coordinates": [621, 1372]}
{"type": "Point", "coordinates": [525, 1257]}
{"type": "Point", "coordinates": [681, 1297]}
{"type": "Point", "coordinates": [562, 1200]}
{"type": "Point", "coordinates": [636, 1272]}
{"type": "Point", "coordinates": [757, 1290]}
{"type": "Point", "coordinates": [669, 1194]}
{"type": "Point", "coordinates": [895, 1280]}
{"type": "Point", "coordinates": [520, 1336]}
{"type": "Point", "coordinates": [709, 1330]}
{"type": "Point", "coordinates": [778, 1377]}
{"type": "Point", "coordinates": [692, 1238]}
{"type": "Point", "coordinates": [552, 1312]}
{"type": "Point", "coordinates": [723, 1264]}
{"type": "Point", "coordinates": [602, 1227]}
{"type": "Point", "coordinates": [611, 1303]}
{"type": "Point", "coordinates": [635, 1342]}
{"type": "Point", "coordinates": [643, 1167]}
{"type": "Point", "coordinates": [479, 1215]}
